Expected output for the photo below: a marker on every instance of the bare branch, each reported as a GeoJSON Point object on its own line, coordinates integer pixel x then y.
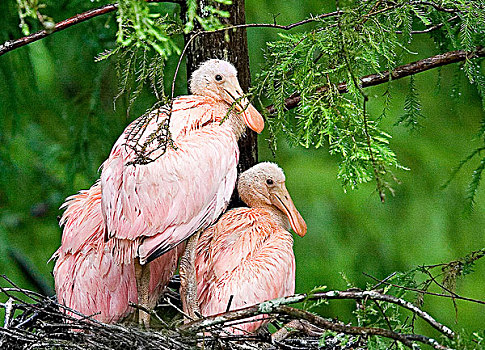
{"type": "Point", "coordinates": [279, 308]}
{"type": "Point", "coordinates": [453, 296]}
{"type": "Point", "coordinates": [8, 312]}
{"type": "Point", "coordinates": [429, 29]}
{"type": "Point", "coordinates": [406, 339]}
{"type": "Point", "coordinates": [277, 26]}
{"type": "Point", "coordinates": [79, 18]}
{"type": "Point", "coordinates": [435, 6]}
{"type": "Point", "coordinates": [269, 307]}
{"type": "Point", "coordinates": [398, 73]}
{"type": "Point", "coordinates": [13, 44]}
{"type": "Point", "coordinates": [373, 295]}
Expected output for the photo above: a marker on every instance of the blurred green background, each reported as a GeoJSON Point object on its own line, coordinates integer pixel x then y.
{"type": "Point", "coordinates": [57, 125]}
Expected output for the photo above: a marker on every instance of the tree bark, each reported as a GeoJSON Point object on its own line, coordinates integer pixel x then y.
{"type": "Point", "coordinates": [235, 50]}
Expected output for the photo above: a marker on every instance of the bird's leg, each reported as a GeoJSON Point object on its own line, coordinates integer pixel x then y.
{"type": "Point", "coordinates": [188, 279]}
{"type": "Point", "coordinates": [142, 275]}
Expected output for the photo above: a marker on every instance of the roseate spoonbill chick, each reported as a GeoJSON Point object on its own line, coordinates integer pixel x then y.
{"type": "Point", "coordinates": [157, 194]}
{"type": "Point", "coordinates": [247, 256]}
{"type": "Point", "coordinates": [87, 277]}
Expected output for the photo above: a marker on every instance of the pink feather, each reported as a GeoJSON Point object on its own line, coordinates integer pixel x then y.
{"type": "Point", "coordinates": [246, 254]}
{"type": "Point", "coordinates": [87, 277]}
{"type": "Point", "coordinates": [146, 209]}
{"type": "Point", "coordinates": [158, 205]}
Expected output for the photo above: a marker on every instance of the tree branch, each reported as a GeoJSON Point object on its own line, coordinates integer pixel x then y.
{"type": "Point", "coordinates": [13, 44]}
{"type": "Point", "coordinates": [270, 306]}
{"type": "Point", "coordinates": [429, 29]}
{"type": "Point", "coordinates": [398, 73]}
{"type": "Point", "coordinates": [373, 295]}
{"type": "Point", "coordinates": [406, 339]}
{"type": "Point", "coordinates": [280, 309]}
{"type": "Point", "coordinates": [436, 6]}
{"type": "Point", "coordinates": [452, 296]}
{"type": "Point", "coordinates": [16, 43]}
{"type": "Point", "coordinates": [52, 324]}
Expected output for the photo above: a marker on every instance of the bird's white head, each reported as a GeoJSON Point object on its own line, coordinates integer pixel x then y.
{"type": "Point", "coordinates": [263, 185]}
{"type": "Point", "coordinates": [218, 80]}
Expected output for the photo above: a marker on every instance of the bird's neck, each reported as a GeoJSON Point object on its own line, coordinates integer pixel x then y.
{"type": "Point", "coordinates": [236, 123]}
{"type": "Point", "coordinates": [278, 216]}
{"type": "Point", "coordinates": [233, 121]}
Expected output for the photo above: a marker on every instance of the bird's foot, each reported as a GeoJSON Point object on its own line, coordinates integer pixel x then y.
{"type": "Point", "coordinates": [294, 326]}
{"type": "Point", "coordinates": [143, 319]}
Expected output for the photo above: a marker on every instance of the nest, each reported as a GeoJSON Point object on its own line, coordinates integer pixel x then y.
{"type": "Point", "coordinates": [33, 321]}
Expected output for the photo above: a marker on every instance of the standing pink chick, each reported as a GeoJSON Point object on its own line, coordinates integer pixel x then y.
{"type": "Point", "coordinates": [151, 206]}
{"type": "Point", "coordinates": [248, 253]}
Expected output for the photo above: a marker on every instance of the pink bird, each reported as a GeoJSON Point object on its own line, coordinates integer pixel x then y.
{"type": "Point", "coordinates": [87, 277]}
{"type": "Point", "coordinates": [247, 256]}
{"type": "Point", "coordinates": [151, 208]}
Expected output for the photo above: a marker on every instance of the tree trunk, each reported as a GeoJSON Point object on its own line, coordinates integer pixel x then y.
{"type": "Point", "coordinates": [235, 50]}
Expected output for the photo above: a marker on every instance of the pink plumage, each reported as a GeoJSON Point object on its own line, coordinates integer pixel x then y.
{"type": "Point", "coordinates": [245, 255]}
{"type": "Point", "coordinates": [248, 253]}
{"type": "Point", "coordinates": [158, 205]}
{"type": "Point", "coordinates": [141, 212]}
{"type": "Point", "coordinates": [87, 278]}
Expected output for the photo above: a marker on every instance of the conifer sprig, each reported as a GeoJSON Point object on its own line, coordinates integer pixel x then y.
{"type": "Point", "coordinates": [369, 35]}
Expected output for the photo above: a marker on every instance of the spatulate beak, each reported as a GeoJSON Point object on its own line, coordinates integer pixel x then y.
{"type": "Point", "coordinates": [253, 119]}
{"type": "Point", "coordinates": [281, 199]}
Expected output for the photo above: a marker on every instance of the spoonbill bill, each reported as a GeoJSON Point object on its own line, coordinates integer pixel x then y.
{"type": "Point", "coordinates": [247, 256]}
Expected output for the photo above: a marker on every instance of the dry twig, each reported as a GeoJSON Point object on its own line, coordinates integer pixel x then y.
{"type": "Point", "coordinates": [45, 323]}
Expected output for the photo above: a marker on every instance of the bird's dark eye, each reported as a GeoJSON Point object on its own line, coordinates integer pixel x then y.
{"type": "Point", "coordinates": [269, 181]}
{"type": "Point", "coordinates": [218, 77]}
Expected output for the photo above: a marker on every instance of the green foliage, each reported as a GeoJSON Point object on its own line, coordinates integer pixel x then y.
{"type": "Point", "coordinates": [146, 39]}
{"type": "Point", "coordinates": [32, 9]}
{"type": "Point", "coordinates": [475, 182]}
{"type": "Point", "coordinates": [476, 176]}
{"type": "Point", "coordinates": [210, 21]}
{"type": "Point", "coordinates": [469, 341]}
{"type": "Point", "coordinates": [365, 38]}
{"type": "Point", "coordinates": [458, 268]}
{"type": "Point", "coordinates": [413, 286]}
{"type": "Point", "coordinates": [137, 67]}
{"type": "Point", "coordinates": [139, 26]}
{"type": "Point", "coordinates": [412, 108]}
{"type": "Point", "coordinates": [311, 65]}
{"type": "Point", "coordinates": [346, 232]}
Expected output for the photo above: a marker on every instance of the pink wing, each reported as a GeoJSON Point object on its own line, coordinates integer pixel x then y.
{"type": "Point", "coordinates": [246, 255]}
{"type": "Point", "coordinates": [162, 203]}
{"type": "Point", "coordinates": [94, 285]}
{"type": "Point", "coordinates": [82, 221]}
{"type": "Point", "coordinates": [87, 278]}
